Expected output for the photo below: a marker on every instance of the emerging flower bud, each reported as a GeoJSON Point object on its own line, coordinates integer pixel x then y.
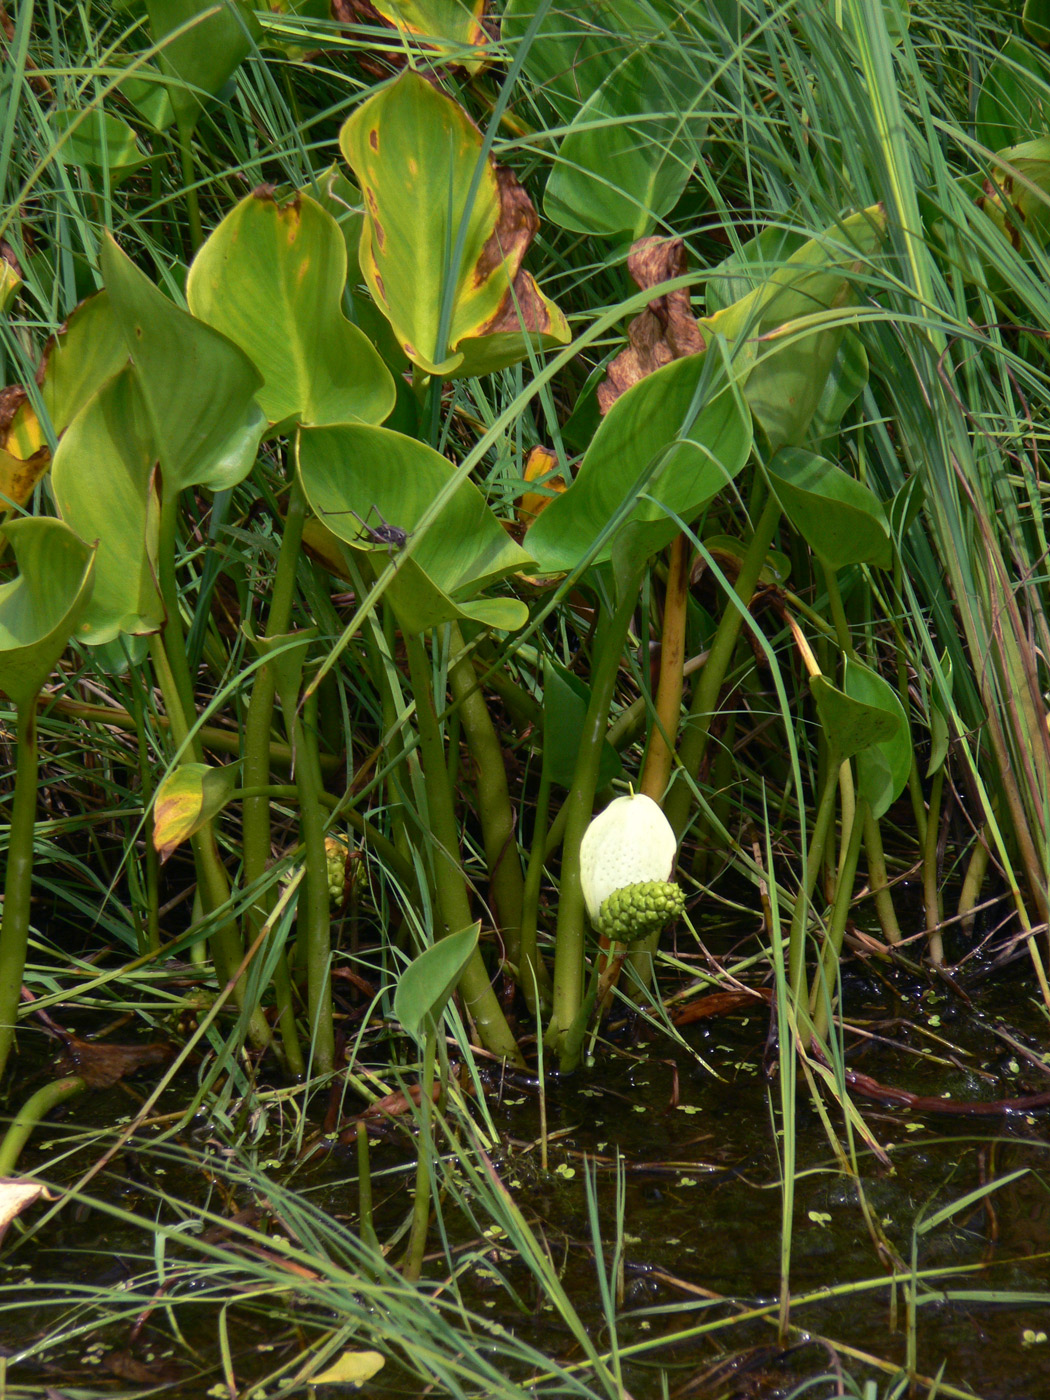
{"type": "Point", "coordinates": [627, 852]}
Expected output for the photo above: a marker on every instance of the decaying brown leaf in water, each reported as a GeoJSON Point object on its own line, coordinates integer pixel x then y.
{"type": "Point", "coordinates": [666, 330]}
{"type": "Point", "coordinates": [101, 1065]}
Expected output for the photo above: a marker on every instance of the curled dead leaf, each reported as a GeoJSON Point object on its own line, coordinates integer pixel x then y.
{"type": "Point", "coordinates": [666, 330]}
{"type": "Point", "coordinates": [16, 1195]}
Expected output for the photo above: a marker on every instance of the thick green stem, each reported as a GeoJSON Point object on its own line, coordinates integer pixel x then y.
{"type": "Point", "coordinates": [825, 979]}
{"type": "Point", "coordinates": [174, 637]}
{"type": "Point", "coordinates": [365, 1220]}
{"type": "Point", "coordinates": [814, 860]}
{"type": "Point", "coordinates": [31, 1114]}
{"type": "Point", "coordinates": [151, 892]}
{"type": "Point", "coordinates": [878, 880]}
{"type": "Point", "coordinates": [18, 879]}
{"type": "Point", "coordinates": [256, 771]}
{"type": "Point", "coordinates": [533, 977]}
{"type": "Point", "coordinates": [705, 694]}
{"type": "Point", "coordinates": [494, 808]}
{"type": "Point", "coordinates": [569, 942]}
{"type": "Point", "coordinates": [213, 887]}
{"type": "Point", "coordinates": [314, 921]}
{"type": "Point", "coordinates": [450, 886]}
{"type": "Point", "coordinates": [931, 890]}
{"type": "Point", "coordinates": [976, 869]}
{"type": "Point", "coordinates": [838, 612]}
{"type": "Point", "coordinates": [417, 1239]}
{"type": "Point", "coordinates": [193, 208]}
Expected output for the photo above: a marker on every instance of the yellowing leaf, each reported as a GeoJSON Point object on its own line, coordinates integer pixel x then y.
{"type": "Point", "coordinates": [457, 23]}
{"type": "Point", "coordinates": [352, 1368]}
{"type": "Point", "coordinates": [186, 799]}
{"type": "Point", "coordinates": [538, 468]}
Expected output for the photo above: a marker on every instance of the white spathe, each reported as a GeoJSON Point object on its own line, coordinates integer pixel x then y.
{"type": "Point", "coordinates": [631, 842]}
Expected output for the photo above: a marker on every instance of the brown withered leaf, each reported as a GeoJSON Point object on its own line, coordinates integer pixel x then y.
{"type": "Point", "coordinates": [666, 330]}
{"type": "Point", "coordinates": [11, 400]}
{"type": "Point", "coordinates": [37, 81]}
{"type": "Point", "coordinates": [515, 229]}
{"type": "Point", "coordinates": [101, 1065]}
{"type": "Point", "coordinates": [523, 307]}
{"type": "Point", "coordinates": [10, 257]}
{"type": "Point", "coordinates": [16, 1195]}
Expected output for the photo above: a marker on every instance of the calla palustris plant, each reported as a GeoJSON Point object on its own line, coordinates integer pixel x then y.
{"type": "Point", "coordinates": [39, 612]}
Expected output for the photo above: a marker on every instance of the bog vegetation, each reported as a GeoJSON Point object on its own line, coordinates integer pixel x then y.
{"type": "Point", "coordinates": [429, 422]}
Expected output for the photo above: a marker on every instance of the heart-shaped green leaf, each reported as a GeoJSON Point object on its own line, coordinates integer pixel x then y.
{"type": "Point", "coordinates": [40, 608]}
{"type": "Point", "coordinates": [188, 798]}
{"type": "Point", "coordinates": [198, 387]}
{"type": "Point", "coordinates": [850, 725]}
{"type": "Point", "coordinates": [360, 480]}
{"type": "Point", "coordinates": [89, 350]}
{"type": "Point", "coordinates": [449, 28]}
{"type": "Point", "coordinates": [271, 279]}
{"type": "Point", "coordinates": [98, 141]}
{"type": "Point", "coordinates": [628, 80]}
{"type": "Point", "coordinates": [840, 518]}
{"type": "Point", "coordinates": [787, 386]}
{"type": "Point", "coordinates": [883, 766]}
{"type": "Point", "coordinates": [204, 42]}
{"type": "Point", "coordinates": [618, 169]}
{"type": "Point", "coordinates": [426, 984]}
{"type": "Point", "coordinates": [102, 481]}
{"type": "Point", "coordinates": [430, 192]}
{"type": "Point", "coordinates": [1017, 195]}
{"type": "Point", "coordinates": [679, 435]}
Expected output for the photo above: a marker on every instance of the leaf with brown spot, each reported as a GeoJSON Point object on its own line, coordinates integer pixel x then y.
{"type": "Point", "coordinates": [444, 29]}
{"type": "Point", "coordinates": [271, 278]}
{"type": "Point", "coordinates": [666, 330]}
{"type": "Point", "coordinates": [415, 154]}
